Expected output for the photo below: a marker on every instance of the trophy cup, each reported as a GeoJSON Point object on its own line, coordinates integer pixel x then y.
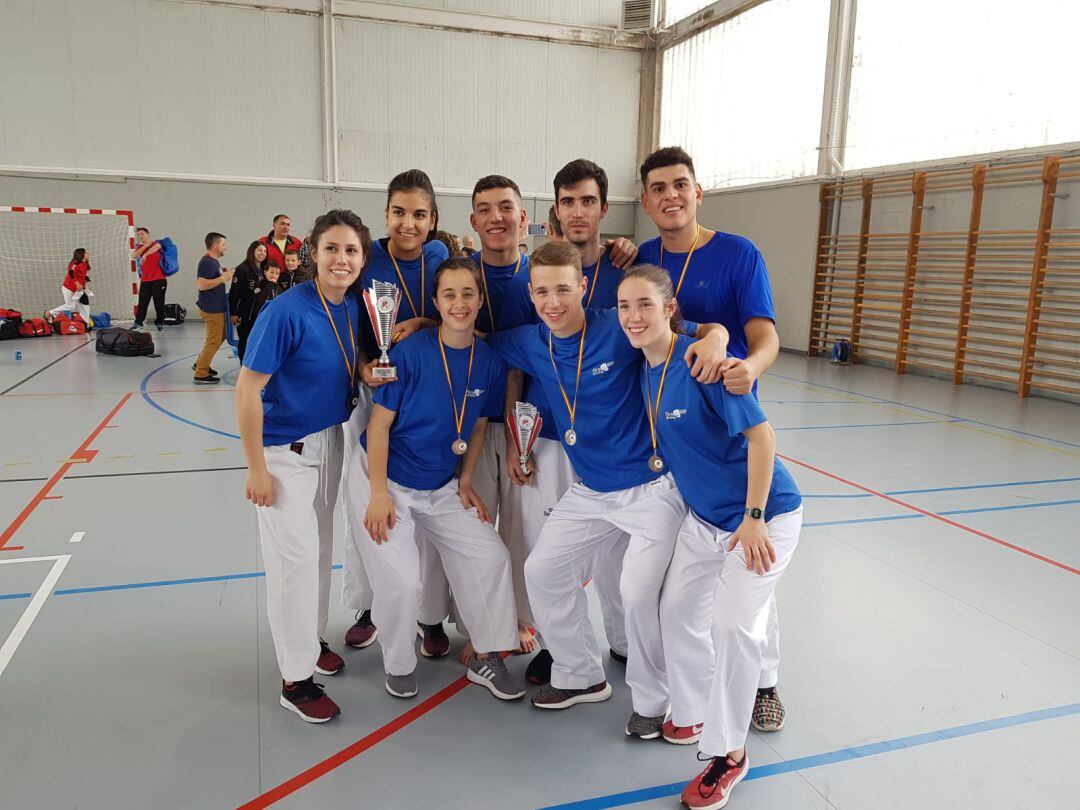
{"type": "Point", "coordinates": [524, 421]}
{"type": "Point", "coordinates": [382, 299]}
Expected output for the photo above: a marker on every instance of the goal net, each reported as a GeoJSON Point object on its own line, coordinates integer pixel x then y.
{"type": "Point", "coordinates": [36, 245]}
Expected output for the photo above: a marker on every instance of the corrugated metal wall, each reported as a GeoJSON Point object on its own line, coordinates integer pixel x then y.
{"type": "Point", "coordinates": [463, 105]}
{"type": "Point", "coordinates": [202, 89]}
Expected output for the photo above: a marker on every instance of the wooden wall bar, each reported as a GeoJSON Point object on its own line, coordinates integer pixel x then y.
{"type": "Point", "coordinates": [999, 305]}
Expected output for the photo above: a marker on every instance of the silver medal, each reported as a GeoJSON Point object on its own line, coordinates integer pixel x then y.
{"type": "Point", "coordinates": [570, 437]}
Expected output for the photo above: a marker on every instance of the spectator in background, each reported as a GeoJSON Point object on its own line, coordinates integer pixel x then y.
{"type": "Point", "coordinates": [74, 288]}
{"type": "Point", "coordinates": [453, 244]}
{"type": "Point", "coordinates": [554, 228]}
{"type": "Point", "coordinates": [306, 262]}
{"type": "Point", "coordinates": [524, 248]}
{"type": "Point", "coordinates": [293, 273]}
{"type": "Point", "coordinates": [278, 241]}
{"type": "Point", "coordinates": [210, 282]}
{"type": "Point", "coordinates": [468, 246]}
{"type": "Point", "coordinates": [152, 281]}
{"type": "Point", "coordinates": [246, 285]}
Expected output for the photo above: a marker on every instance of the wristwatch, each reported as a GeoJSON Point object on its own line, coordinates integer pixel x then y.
{"type": "Point", "coordinates": [754, 513]}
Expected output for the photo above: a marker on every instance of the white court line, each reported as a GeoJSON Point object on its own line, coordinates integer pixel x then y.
{"type": "Point", "coordinates": [36, 603]}
{"type": "Point", "coordinates": [77, 537]}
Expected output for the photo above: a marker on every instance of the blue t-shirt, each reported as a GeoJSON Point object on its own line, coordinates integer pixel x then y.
{"type": "Point", "coordinates": [294, 343]}
{"type": "Point", "coordinates": [423, 431]}
{"type": "Point", "coordinates": [380, 267]}
{"type": "Point", "coordinates": [211, 301]}
{"type": "Point", "coordinates": [500, 280]}
{"type": "Point", "coordinates": [726, 283]}
{"type": "Point", "coordinates": [518, 309]}
{"type": "Point", "coordinates": [613, 445]}
{"type": "Point", "coordinates": [699, 432]}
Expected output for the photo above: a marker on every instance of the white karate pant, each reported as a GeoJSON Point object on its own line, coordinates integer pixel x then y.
{"type": "Point", "coordinates": [71, 304]}
{"type": "Point", "coordinates": [296, 534]}
{"type": "Point", "coordinates": [583, 523]}
{"type": "Point", "coordinates": [714, 615]}
{"type": "Point", "coordinates": [355, 588]}
{"type": "Point", "coordinates": [471, 553]}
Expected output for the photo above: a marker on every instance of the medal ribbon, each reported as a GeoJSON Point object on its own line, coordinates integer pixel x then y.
{"type": "Point", "coordinates": [459, 416]}
{"type": "Point", "coordinates": [487, 297]}
{"type": "Point", "coordinates": [595, 278]}
{"type": "Point", "coordinates": [571, 409]}
{"type": "Point", "coordinates": [350, 365]}
{"type": "Point", "coordinates": [404, 286]}
{"type": "Point", "coordinates": [686, 264]}
{"type": "Point", "coordinates": [654, 411]}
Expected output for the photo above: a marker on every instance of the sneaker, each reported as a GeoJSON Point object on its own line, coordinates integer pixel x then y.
{"type": "Point", "coordinates": [539, 669]}
{"type": "Point", "coordinates": [617, 656]}
{"type": "Point", "coordinates": [434, 641]}
{"type": "Point", "coordinates": [681, 735]}
{"type": "Point", "coordinates": [159, 327]}
{"type": "Point", "coordinates": [644, 728]}
{"type": "Point", "coordinates": [401, 686]}
{"type": "Point", "coordinates": [207, 380]}
{"type": "Point", "coordinates": [492, 674]}
{"type": "Point", "coordinates": [550, 697]}
{"type": "Point", "coordinates": [363, 633]}
{"type": "Point", "coordinates": [213, 373]}
{"type": "Point", "coordinates": [329, 663]}
{"type": "Point", "coordinates": [308, 700]}
{"type": "Point", "coordinates": [768, 710]}
{"type": "Point", "coordinates": [711, 789]}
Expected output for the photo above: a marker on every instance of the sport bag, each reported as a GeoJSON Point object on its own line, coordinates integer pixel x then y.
{"type": "Point", "coordinates": [169, 262]}
{"type": "Point", "coordinates": [841, 351]}
{"type": "Point", "coordinates": [8, 329]}
{"type": "Point", "coordinates": [65, 325]}
{"type": "Point", "coordinates": [124, 342]}
{"type": "Point", "coordinates": [174, 314]}
{"type": "Point", "coordinates": [10, 314]}
{"type": "Point", "coordinates": [101, 320]}
{"type": "Point", "coordinates": [35, 327]}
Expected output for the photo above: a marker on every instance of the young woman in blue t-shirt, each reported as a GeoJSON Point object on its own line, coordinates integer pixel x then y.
{"type": "Point", "coordinates": [296, 388]}
{"type": "Point", "coordinates": [401, 488]}
{"type": "Point", "coordinates": [734, 545]}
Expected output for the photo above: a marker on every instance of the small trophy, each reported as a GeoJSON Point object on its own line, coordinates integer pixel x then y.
{"type": "Point", "coordinates": [524, 421]}
{"type": "Point", "coordinates": [382, 299]}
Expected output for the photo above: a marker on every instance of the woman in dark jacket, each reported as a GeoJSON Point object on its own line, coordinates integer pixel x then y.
{"type": "Point", "coordinates": [247, 284]}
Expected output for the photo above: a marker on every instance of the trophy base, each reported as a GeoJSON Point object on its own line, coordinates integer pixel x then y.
{"type": "Point", "coordinates": [385, 373]}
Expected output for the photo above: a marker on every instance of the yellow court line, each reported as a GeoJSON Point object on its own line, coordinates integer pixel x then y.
{"type": "Point", "coordinates": [118, 458]}
{"type": "Point", "coordinates": [18, 464]}
{"type": "Point", "coordinates": [215, 450]}
{"type": "Point", "coordinates": [171, 453]}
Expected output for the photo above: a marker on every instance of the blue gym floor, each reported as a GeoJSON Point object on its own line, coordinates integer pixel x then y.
{"type": "Point", "coordinates": [929, 621]}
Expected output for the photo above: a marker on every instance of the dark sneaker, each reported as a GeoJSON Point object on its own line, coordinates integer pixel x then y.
{"type": "Point", "coordinates": [308, 700]}
{"type": "Point", "coordinates": [207, 380]}
{"type": "Point", "coordinates": [681, 735]}
{"type": "Point", "coordinates": [549, 697]}
{"type": "Point", "coordinates": [434, 641]}
{"type": "Point", "coordinates": [617, 656]}
{"type": "Point", "coordinates": [213, 373]}
{"type": "Point", "coordinates": [539, 669]}
{"type": "Point", "coordinates": [363, 633]}
{"type": "Point", "coordinates": [492, 674]}
{"type": "Point", "coordinates": [644, 728]}
{"type": "Point", "coordinates": [329, 663]}
{"type": "Point", "coordinates": [711, 789]}
{"type": "Point", "coordinates": [401, 686]}
{"type": "Point", "coordinates": [768, 710]}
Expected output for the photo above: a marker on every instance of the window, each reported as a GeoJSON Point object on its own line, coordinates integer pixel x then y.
{"type": "Point", "coordinates": [744, 97]}
{"type": "Point", "coordinates": [937, 80]}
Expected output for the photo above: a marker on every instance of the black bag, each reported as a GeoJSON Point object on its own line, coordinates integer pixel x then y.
{"type": "Point", "coordinates": [124, 342]}
{"type": "Point", "coordinates": [9, 328]}
{"type": "Point", "coordinates": [174, 314]}
{"type": "Point", "coordinates": [841, 352]}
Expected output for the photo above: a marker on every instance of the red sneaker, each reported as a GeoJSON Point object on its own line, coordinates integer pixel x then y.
{"type": "Point", "coordinates": [434, 643]}
{"type": "Point", "coordinates": [363, 633]}
{"type": "Point", "coordinates": [711, 789]}
{"type": "Point", "coordinates": [329, 663]}
{"type": "Point", "coordinates": [681, 735]}
{"type": "Point", "coordinates": [308, 700]}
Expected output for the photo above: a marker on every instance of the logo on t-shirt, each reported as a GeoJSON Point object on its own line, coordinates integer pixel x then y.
{"type": "Point", "coordinates": [603, 368]}
{"type": "Point", "coordinates": [474, 392]}
{"type": "Point", "coordinates": [678, 413]}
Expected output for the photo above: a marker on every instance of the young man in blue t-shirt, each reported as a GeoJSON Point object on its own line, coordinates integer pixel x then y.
{"type": "Point", "coordinates": [718, 277]}
{"type": "Point", "coordinates": [210, 282]}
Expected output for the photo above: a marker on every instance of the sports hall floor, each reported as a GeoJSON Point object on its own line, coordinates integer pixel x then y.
{"type": "Point", "coordinates": [930, 619]}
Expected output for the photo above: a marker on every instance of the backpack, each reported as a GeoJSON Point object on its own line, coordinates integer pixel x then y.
{"type": "Point", "coordinates": [124, 342]}
{"type": "Point", "coordinates": [174, 314]}
{"type": "Point", "coordinates": [9, 323]}
{"type": "Point", "coordinates": [170, 261]}
{"type": "Point", "coordinates": [841, 352]}
{"type": "Point", "coordinates": [35, 327]}
{"type": "Point", "coordinates": [65, 325]}
{"type": "Point", "coordinates": [101, 320]}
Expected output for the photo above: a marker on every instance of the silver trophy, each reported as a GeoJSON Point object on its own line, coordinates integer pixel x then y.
{"type": "Point", "coordinates": [524, 421]}
{"type": "Point", "coordinates": [383, 299]}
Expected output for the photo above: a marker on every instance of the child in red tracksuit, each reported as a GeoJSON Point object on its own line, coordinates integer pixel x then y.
{"type": "Point", "coordinates": [75, 287]}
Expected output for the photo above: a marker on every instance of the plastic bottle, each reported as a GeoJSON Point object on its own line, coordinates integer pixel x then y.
{"type": "Point", "coordinates": [18, 356]}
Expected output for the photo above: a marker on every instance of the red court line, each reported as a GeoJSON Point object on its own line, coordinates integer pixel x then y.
{"type": "Point", "coordinates": [80, 456]}
{"type": "Point", "coordinates": [935, 516]}
{"type": "Point", "coordinates": [360, 746]}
